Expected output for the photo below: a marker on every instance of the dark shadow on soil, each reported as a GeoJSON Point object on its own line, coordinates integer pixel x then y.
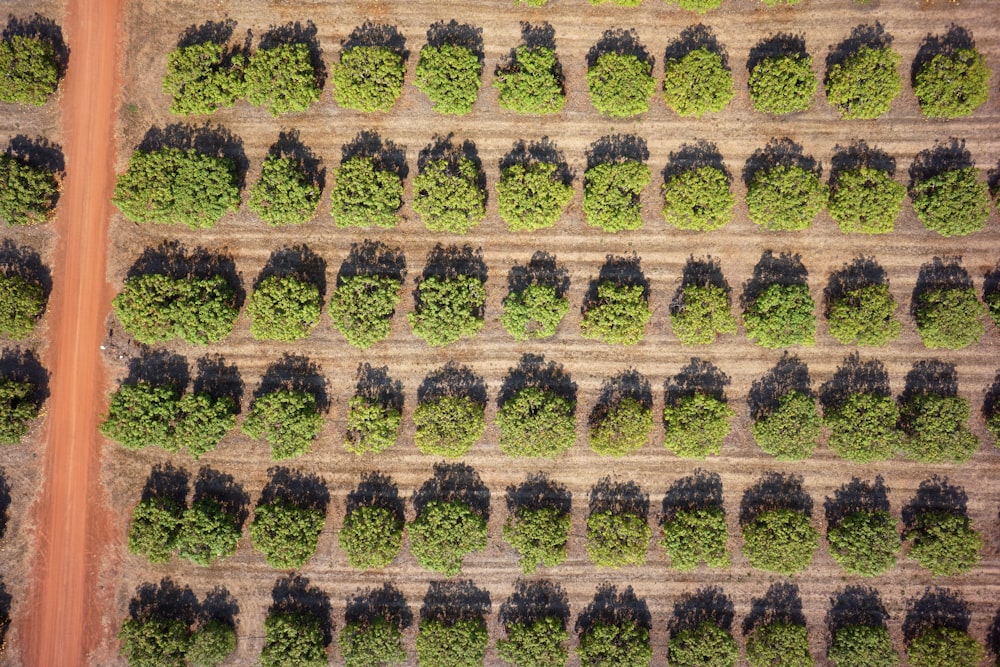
{"type": "Point", "coordinates": [167, 481]}
{"type": "Point", "coordinates": [219, 379]}
{"type": "Point", "coordinates": [208, 139]}
{"type": "Point", "coordinates": [939, 274]}
{"type": "Point", "coordinates": [458, 34]}
{"type": "Point", "coordinates": [695, 156]}
{"type": "Point", "coordinates": [453, 381]}
{"type": "Point", "coordinates": [534, 600]}
{"type": "Point", "coordinates": [619, 498]}
{"type": "Point", "coordinates": [535, 152]}
{"type": "Point", "coordinates": [297, 33]}
{"type": "Point", "coordinates": [158, 368]}
{"type": "Point", "coordinates": [783, 269]}
{"type": "Point", "coordinates": [947, 44]}
{"type": "Point", "coordinates": [377, 385]}
{"type": "Point", "coordinates": [991, 402]}
{"type": "Point", "coordinates": [708, 604]}
{"type": "Point", "coordinates": [533, 371]}
{"type": "Point", "coordinates": [626, 384]}
{"type": "Point", "coordinates": [377, 34]}
{"type": "Point", "coordinates": [935, 495]}
{"type": "Point", "coordinates": [622, 271]}
{"type": "Point", "coordinates": [859, 273]}
{"type": "Point", "coordinates": [166, 600]}
{"type": "Point", "coordinates": [38, 153]}
{"type": "Point", "coordinates": [701, 490]}
{"type": "Point", "coordinates": [617, 148]}
{"type": "Point", "coordinates": [376, 490]}
{"type": "Point", "coordinates": [700, 272]}
{"type": "Point", "coordinates": [539, 492]}
{"type": "Point", "coordinates": [774, 491]}
{"type": "Point", "coordinates": [298, 262]}
{"type": "Point", "coordinates": [295, 373]}
{"type": "Point", "coordinates": [936, 608]}
{"type": "Point", "coordinates": [992, 638]}
{"type": "Point", "coordinates": [300, 489]}
{"type": "Point", "coordinates": [788, 375]}
{"type": "Point", "coordinates": [222, 487]}
{"type": "Point", "coordinates": [443, 148]}
{"type": "Point", "coordinates": [453, 261]}
{"type": "Point", "coordinates": [621, 42]}
{"type": "Point", "coordinates": [174, 259]}
{"type": "Point", "coordinates": [44, 30]}
{"type": "Point", "coordinates": [217, 32]}
{"type": "Point", "coordinates": [219, 604]}
{"type": "Point", "coordinates": [692, 38]}
{"type": "Point", "coordinates": [23, 366]}
{"type": "Point", "coordinates": [782, 152]}
{"type": "Point", "coordinates": [930, 378]}
{"type": "Point", "coordinates": [451, 482]}
{"type": "Point", "coordinates": [365, 607]}
{"type": "Point", "coordinates": [856, 496]}
{"type": "Point", "coordinates": [871, 36]}
{"type": "Point", "coordinates": [4, 502]}
{"type": "Point", "coordinates": [6, 601]}
{"type": "Point", "coordinates": [854, 376]}
{"type": "Point", "coordinates": [293, 595]}
{"type": "Point", "coordinates": [25, 262]}
{"type": "Point", "coordinates": [859, 154]}
{"type": "Point", "coordinates": [991, 282]}
{"type": "Point", "coordinates": [613, 608]}
{"type": "Point", "coordinates": [373, 258]}
{"type": "Point", "coordinates": [541, 269]}
{"type": "Point", "coordinates": [781, 604]}
{"type": "Point", "coordinates": [856, 605]}
{"type": "Point", "coordinates": [386, 155]}
{"type": "Point", "coordinates": [776, 46]}
{"type": "Point", "coordinates": [289, 146]}
{"type": "Point", "coordinates": [699, 376]}
{"type": "Point", "coordinates": [993, 180]}
{"type": "Point", "coordinates": [449, 602]}
{"type": "Point", "coordinates": [944, 156]}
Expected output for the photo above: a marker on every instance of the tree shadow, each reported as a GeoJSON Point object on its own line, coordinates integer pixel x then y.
{"type": "Point", "coordinates": [871, 36]}
{"type": "Point", "coordinates": [23, 366]}
{"type": "Point", "coordinates": [378, 386]}
{"type": "Point", "coordinates": [991, 282]}
{"type": "Point", "coordinates": [619, 498]}
{"type": "Point", "coordinates": [289, 146]}
{"type": "Point", "coordinates": [298, 262]}
{"type": "Point", "coordinates": [699, 376]}
{"type": "Point", "coordinates": [38, 153]}
{"type": "Point", "coordinates": [25, 262]}
{"type": "Point", "coordinates": [859, 273]}
{"type": "Point", "coordinates": [942, 157]}
{"type": "Point", "coordinates": [936, 608]}
{"type": "Point", "coordinates": [695, 156]}
{"type": "Point", "coordinates": [219, 379]}
{"type": "Point", "coordinates": [614, 608]}
{"type": "Point", "coordinates": [373, 258]}
{"type": "Point", "coordinates": [449, 602]}
{"type": "Point", "coordinates": [774, 491]}
{"type": "Point", "coordinates": [219, 604]}
{"type": "Point", "coordinates": [535, 152]}
{"type": "Point", "coordinates": [295, 373]}
{"type": "Point", "coordinates": [992, 638]}
{"type": "Point", "coordinates": [174, 259]}
{"type": "Point", "coordinates": [208, 139]}
{"type": "Point", "coordinates": [930, 378]}
{"type": "Point", "coordinates": [453, 261]}
{"type": "Point", "coordinates": [699, 272]}
{"type": "Point", "coordinates": [443, 148]}
{"type": "Point", "coordinates": [854, 376]}
{"type": "Point", "coordinates": [386, 155]}
{"type": "Point", "coordinates": [452, 380]}
{"type": "Point", "coordinates": [781, 604]}
{"type": "Point", "coordinates": [776, 46]}
{"type": "Point", "coordinates": [947, 44]}
{"type": "Point", "coordinates": [296, 33]}
{"type": "Point", "coordinates": [532, 601]}
{"type": "Point", "coordinates": [458, 34]}
{"type": "Point", "coordinates": [6, 600]}
{"type": "Point", "coordinates": [165, 600]}
{"type": "Point", "coordinates": [783, 152]}
{"type": "Point", "coordinates": [857, 155]}
{"type": "Point", "coordinates": [617, 148]}
{"type": "Point", "coordinates": [293, 595]}
{"type": "Point", "coordinates": [693, 38]}
{"type": "Point", "coordinates": [788, 375]}
{"type": "Point", "coordinates": [856, 496]}
{"type": "Point", "coordinates": [367, 606]}
{"type": "Point", "coordinates": [167, 481]}
{"type": "Point", "coordinates": [622, 271]}
{"type": "Point", "coordinates": [533, 371]}
{"type": "Point", "coordinates": [991, 402]}
{"type": "Point", "coordinates": [300, 489]}
{"type": "Point", "coordinates": [217, 32]}
{"type": "Point", "coordinates": [44, 30]}
{"type": "Point", "coordinates": [935, 495]}
{"type": "Point", "coordinates": [158, 368]}
{"type": "Point", "coordinates": [378, 35]}
{"type": "Point", "coordinates": [621, 42]}
{"type": "Point", "coordinates": [539, 492]}
{"type": "Point", "coordinates": [626, 384]}
{"type": "Point", "coordinates": [541, 269]}
{"type": "Point", "coordinates": [856, 605]}
{"type": "Point", "coordinates": [708, 604]}
{"type": "Point", "coordinates": [941, 273]}
{"type": "Point", "coordinates": [702, 490]}
{"type": "Point", "coordinates": [784, 269]}
{"type": "Point", "coordinates": [223, 488]}
{"type": "Point", "coordinates": [376, 490]}
{"type": "Point", "coordinates": [4, 503]}
{"type": "Point", "coordinates": [451, 482]}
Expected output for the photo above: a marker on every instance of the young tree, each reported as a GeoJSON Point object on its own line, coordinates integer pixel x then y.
{"type": "Point", "coordinates": [140, 415]}
{"type": "Point", "coordinates": [372, 425]}
{"type": "Point", "coordinates": [950, 317]}
{"type": "Point", "coordinates": [944, 542]}
{"type": "Point", "coordinates": [286, 533]}
{"type": "Point", "coordinates": [284, 194]}
{"type": "Point", "coordinates": [365, 195]}
{"type": "Point", "coordinates": [450, 75]}
{"type": "Point", "coordinates": [935, 429]}
{"type": "Point", "coordinates": [294, 637]}
{"type": "Point", "coordinates": [29, 194]}
{"type": "Point", "coordinates": [698, 199]}
{"type": "Point", "coordinates": [706, 645]}
{"type": "Point", "coordinates": [202, 78]}
{"type": "Point", "coordinates": [155, 528]}
{"type": "Point", "coordinates": [624, 644]}
{"type": "Point", "coordinates": [211, 644]}
{"type": "Point", "coordinates": [781, 316]}
{"type": "Point", "coordinates": [284, 308]}
{"type": "Point", "coordinates": [534, 312]}
{"type": "Point", "coordinates": [865, 200]}
{"type": "Point", "coordinates": [289, 421]}
{"type": "Point", "coordinates": [696, 424]}
{"type": "Point", "coordinates": [459, 644]}
{"type": "Point", "coordinates": [154, 308]}
{"type": "Point", "coordinates": [622, 429]}
{"type": "Point", "coordinates": [29, 70]}
{"type": "Point", "coordinates": [208, 532]}
{"type": "Point", "coordinates": [697, 83]}
{"type": "Point", "coordinates": [791, 430]}
{"type": "Point", "coordinates": [532, 196]}
{"type": "Point", "coordinates": [22, 303]}
{"type": "Point", "coordinates": [368, 78]}
{"type": "Point", "coordinates": [444, 533]}
{"type": "Point", "coordinates": [282, 79]}
{"type": "Point", "coordinates": [611, 192]}
{"type": "Point", "coordinates": [863, 427]}
{"type": "Point", "coordinates": [862, 645]}
{"type": "Point", "coordinates": [702, 313]}
{"type": "Point", "coordinates": [953, 85]}
{"type": "Point", "coordinates": [448, 426]}
{"type": "Point", "coordinates": [541, 642]}
{"type": "Point", "coordinates": [694, 536]}
{"type": "Point", "coordinates": [378, 643]}
{"type": "Point", "coordinates": [620, 84]}
{"type": "Point", "coordinates": [944, 647]}
{"type": "Point", "coordinates": [865, 83]}
{"type": "Point", "coordinates": [447, 196]}
{"type": "Point", "coordinates": [864, 316]}
{"type": "Point", "coordinates": [783, 84]}
{"type": "Point", "coordinates": [865, 542]}
{"type": "Point", "coordinates": [619, 315]}
{"type": "Point", "coordinates": [779, 644]}
{"type": "Point", "coordinates": [781, 540]}
{"type": "Point", "coordinates": [785, 198]}
{"type": "Point", "coordinates": [372, 537]}
{"type": "Point", "coordinates": [448, 309]}
{"type": "Point", "coordinates": [539, 535]}
{"type": "Point", "coordinates": [617, 539]}
{"type": "Point", "coordinates": [155, 641]}
{"type": "Point", "coordinates": [954, 202]}
{"type": "Point", "coordinates": [536, 423]}
{"type": "Point", "coordinates": [362, 306]}
{"type": "Point", "coordinates": [531, 83]}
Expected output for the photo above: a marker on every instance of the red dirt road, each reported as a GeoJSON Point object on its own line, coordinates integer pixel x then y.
{"type": "Point", "coordinates": [63, 623]}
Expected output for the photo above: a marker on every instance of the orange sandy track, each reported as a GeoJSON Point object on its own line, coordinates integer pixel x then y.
{"type": "Point", "coordinates": [62, 625]}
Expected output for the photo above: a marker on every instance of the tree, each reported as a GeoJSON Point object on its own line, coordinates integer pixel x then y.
{"type": "Point", "coordinates": [866, 200]}
{"type": "Point", "coordinates": [208, 532]}
{"type": "Point", "coordinates": [211, 644]}
{"type": "Point", "coordinates": [155, 528]}
{"type": "Point", "coordinates": [698, 82]}
{"type": "Point", "coordinates": [695, 425]}
{"type": "Point", "coordinates": [611, 194]}
{"type": "Point", "coordinates": [950, 317]}
{"type": "Point", "coordinates": [617, 539]}
{"type": "Point", "coordinates": [365, 195]}
{"type": "Point", "coordinates": [17, 408]}
{"type": "Point", "coordinates": [142, 415]}
{"type": "Point", "coordinates": [701, 314]}
{"type": "Point", "coordinates": [698, 199]}
{"type": "Point", "coordinates": [450, 75]}
{"type": "Point", "coordinates": [282, 79]}
{"type": "Point", "coordinates": [864, 316]}
{"type": "Point", "coordinates": [447, 196]}
{"type": "Point", "coordinates": [284, 194]}
{"type": "Point", "coordinates": [155, 641]}
{"type": "Point", "coordinates": [944, 647]}
{"type": "Point", "coordinates": [202, 421]}
{"type": "Point", "coordinates": [377, 643]}
{"type": "Point", "coordinates": [781, 540]}
{"type": "Point", "coordinates": [448, 309]}
{"type": "Point", "coordinates": [954, 202]}
{"type": "Point", "coordinates": [288, 420]}
{"type": "Point", "coordinates": [992, 300]}
{"type": "Point", "coordinates": [781, 316]}
{"type": "Point", "coordinates": [174, 186]}
{"type": "Point", "coordinates": [293, 638]}
{"type": "Point", "coordinates": [865, 83]}
{"type": "Point", "coordinates": [694, 536]}
{"type": "Point", "coordinates": [862, 645]}
{"type": "Point", "coordinates": [706, 645]}
{"type": "Point", "coordinates": [286, 533]}
{"type": "Point", "coordinates": [785, 198]}
{"type": "Point", "coordinates": [30, 70]}
{"type": "Point", "coordinates": [784, 644]}
{"type": "Point", "coordinates": [539, 643]}
{"type": "Point", "coordinates": [372, 537]}
{"type": "Point", "coordinates": [531, 82]}
{"type": "Point", "coordinates": [155, 308]}
{"type": "Point", "coordinates": [944, 542]}
{"type": "Point", "coordinates": [29, 194]}
{"type": "Point", "coordinates": [536, 423]}
{"type": "Point", "coordinates": [448, 426]}
{"type": "Point", "coordinates": [372, 426]}
{"type": "Point", "coordinates": [534, 312]}
{"type": "Point", "coordinates": [444, 533]}
{"type": "Point", "coordinates": [202, 78]}
{"type": "Point", "coordinates": [539, 535]}
{"type": "Point", "coordinates": [791, 430]}
{"type": "Point", "coordinates": [622, 429]}
{"type": "Point", "coordinates": [532, 196]}
{"type": "Point", "coordinates": [783, 84]}
{"type": "Point", "coordinates": [620, 84]}
{"type": "Point", "coordinates": [284, 308]}
{"type": "Point", "coordinates": [863, 427]}
{"type": "Point", "coordinates": [700, 6]}
{"type": "Point", "coordinates": [459, 644]}
{"type": "Point", "coordinates": [865, 542]}
{"type": "Point", "coordinates": [624, 644]}
{"type": "Point", "coordinates": [619, 314]}
{"type": "Point", "coordinates": [952, 85]}
{"type": "Point", "coordinates": [367, 78]}
{"type": "Point", "coordinates": [935, 429]}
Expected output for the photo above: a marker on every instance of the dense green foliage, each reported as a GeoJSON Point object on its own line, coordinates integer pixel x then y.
{"type": "Point", "coordinates": [284, 308]}
{"type": "Point", "coordinates": [623, 644]}
{"type": "Point", "coordinates": [211, 644]}
{"type": "Point", "coordinates": [450, 75]}
{"type": "Point", "coordinates": [944, 542]}
{"type": "Point", "coordinates": [28, 196]}
{"type": "Point", "coordinates": [289, 421]}
{"type": "Point", "coordinates": [785, 198]}
{"type": "Point", "coordinates": [29, 70]}
{"type": "Point", "coordinates": [865, 542]}
{"type": "Point", "coordinates": [155, 527]}
{"type": "Point", "coordinates": [620, 84]}
{"type": "Point", "coordinates": [538, 644]}
{"type": "Point", "coordinates": [459, 644]}
{"type": "Point", "coordinates": [293, 638]}
{"type": "Point", "coordinates": [706, 645]}
{"type": "Point", "coordinates": [282, 79]}
{"type": "Point", "coordinates": [175, 186]}
{"type": "Point", "coordinates": [992, 300]}
{"type": "Point", "coordinates": [202, 421]}
{"type": "Point", "coordinates": [362, 306]}
{"type": "Point", "coordinates": [950, 317]}
{"type": "Point", "coordinates": [697, 83]}
{"type": "Point", "coordinates": [698, 199]}
{"type": "Point", "coordinates": [536, 423]}
{"type": "Point", "coordinates": [22, 303]}
{"type": "Point", "coordinates": [791, 431]}
{"type": "Point", "coordinates": [694, 536]}
{"type": "Point", "coordinates": [783, 84]}
{"type": "Point", "coordinates": [863, 428]}
{"type": "Point", "coordinates": [448, 426]}
{"type": "Point", "coordinates": [534, 312]}
{"type": "Point", "coordinates": [617, 539]}
{"type": "Point", "coordinates": [444, 533]}
{"type": "Point", "coordinates": [935, 429]}
{"type": "Point", "coordinates": [17, 409]}
{"type": "Point", "coordinates": [700, 6]}
{"type": "Point", "coordinates": [532, 196]}
{"type": "Point", "coordinates": [781, 316]}
{"type": "Point", "coordinates": [538, 535]}
{"type": "Point", "coordinates": [531, 83]}
{"type": "Point", "coordinates": [993, 426]}
{"type": "Point", "coordinates": [953, 203]}
{"type": "Point", "coordinates": [448, 309]}
{"type": "Point", "coordinates": [378, 643]}
{"type": "Point", "coordinates": [284, 194]}
{"type": "Point", "coordinates": [783, 644]}
{"type": "Point", "coordinates": [155, 641]}
{"type": "Point", "coordinates": [364, 195]}
{"type": "Point", "coordinates": [611, 193]}
{"type": "Point", "coordinates": [208, 532]}
{"type": "Point", "coordinates": [864, 316]}
{"type": "Point", "coordinates": [952, 85]}
{"type": "Point", "coordinates": [202, 78]}
{"type": "Point", "coordinates": [701, 314]}
{"type": "Point", "coordinates": [372, 537]}
{"type": "Point", "coordinates": [286, 533]}
{"type": "Point", "coordinates": [372, 426]}
{"type": "Point", "coordinates": [944, 647]}
{"type": "Point", "coordinates": [695, 425]}
{"type": "Point", "coordinates": [155, 308]}
{"type": "Point", "coordinates": [866, 200]}
{"type": "Point", "coordinates": [618, 316]}
{"type": "Point", "coordinates": [367, 78]}
{"type": "Point", "coordinates": [865, 83]}
{"type": "Point", "coordinates": [622, 429]}
{"type": "Point", "coordinates": [781, 540]}
{"type": "Point", "coordinates": [447, 196]}
{"type": "Point", "coordinates": [868, 645]}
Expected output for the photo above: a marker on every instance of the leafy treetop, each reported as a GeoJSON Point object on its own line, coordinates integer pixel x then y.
{"type": "Point", "coordinates": [620, 84]}
{"type": "Point", "coordinates": [864, 85]}
{"type": "Point", "coordinates": [282, 79]}
{"type": "Point", "coordinates": [531, 83]}
{"type": "Point", "coordinates": [611, 193]}
{"type": "Point", "coordinates": [450, 75]}
{"type": "Point", "coordinates": [368, 78]}
{"type": "Point", "coordinates": [697, 83]}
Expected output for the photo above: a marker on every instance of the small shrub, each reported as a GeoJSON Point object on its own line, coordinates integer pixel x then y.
{"type": "Point", "coordinates": [697, 83]}
{"type": "Point", "coordinates": [695, 425]}
{"type": "Point", "coordinates": [208, 533]}
{"type": "Point", "coordinates": [954, 202]}
{"type": "Point", "coordinates": [30, 70]}
{"type": "Point", "coordinates": [865, 542]}
{"type": "Point", "coordinates": [450, 75]}
{"type": "Point", "coordinates": [781, 540]}
{"type": "Point", "coordinates": [155, 527]}
{"type": "Point", "coordinates": [17, 409]}
{"type": "Point", "coordinates": [611, 193]}
{"type": "Point", "coordinates": [698, 199]}
{"type": "Point", "coordinates": [536, 423]}
{"type": "Point", "coordinates": [372, 537]}
{"type": "Point", "coordinates": [295, 637]}
{"type": "Point", "coordinates": [944, 647]}
{"type": "Point", "coordinates": [155, 641]}
{"type": "Point", "coordinates": [617, 539]}
{"type": "Point", "coordinates": [448, 309]}
{"type": "Point", "coordinates": [538, 535]}
{"type": "Point", "coordinates": [700, 6]}
{"type": "Point", "coordinates": [532, 196]}
{"type": "Point", "coordinates": [952, 85]}
{"type": "Point", "coordinates": [701, 314]}
{"type": "Point", "coordinates": [620, 84]}
{"type": "Point", "coordinates": [155, 308]}
{"type": "Point", "coordinates": [618, 316]}
{"type": "Point", "coordinates": [791, 431]}
{"type": "Point", "coordinates": [935, 429]}
{"type": "Point", "coordinates": [865, 83]}
{"type": "Point", "coordinates": [22, 303]}
{"type": "Point", "coordinates": [944, 543]}
{"type": "Point", "coordinates": [531, 83]}
{"type": "Point", "coordinates": [284, 194]}
{"type": "Point", "coordinates": [624, 644]}
{"type": "Point", "coordinates": [863, 428]}
{"type": "Point", "coordinates": [950, 317]}
{"type": "Point", "coordinates": [282, 79]}
{"type": "Point", "coordinates": [781, 316]}
{"type": "Point", "coordinates": [367, 78]}
{"type": "Point", "coordinates": [785, 198]}
{"type": "Point", "coordinates": [139, 415]}
{"type": "Point", "coordinates": [29, 194]}
{"type": "Point", "coordinates": [362, 306]}
{"type": "Point", "coordinates": [459, 644]}
{"type": "Point", "coordinates": [372, 426]}
{"type": "Point", "coordinates": [286, 533]}
{"type": "Point", "coordinates": [202, 78]}
{"type": "Point", "coordinates": [378, 643]}
{"type": "Point", "coordinates": [533, 313]}
{"type": "Point", "coordinates": [211, 644]}
{"type": "Point", "coordinates": [539, 643]}
{"type": "Point", "coordinates": [783, 84]}
{"type": "Point", "coordinates": [864, 316]}
{"type": "Point", "coordinates": [695, 536]}
{"type": "Point", "coordinates": [364, 195]}
{"type": "Point", "coordinates": [623, 429]}
{"type": "Point", "coordinates": [288, 420]}
{"type": "Point", "coordinates": [706, 645]}
{"type": "Point", "coordinates": [863, 645]}
{"type": "Point", "coordinates": [284, 308]}
{"type": "Point", "coordinates": [779, 644]}
{"type": "Point", "coordinates": [866, 200]}
{"type": "Point", "coordinates": [447, 196]}
{"type": "Point", "coordinates": [444, 533]}
{"type": "Point", "coordinates": [448, 426]}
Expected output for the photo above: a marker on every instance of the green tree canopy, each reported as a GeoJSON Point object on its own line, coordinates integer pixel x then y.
{"type": "Point", "coordinates": [696, 424]}
{"type": "Point", "coordinates": [952, 85]}
{"type": "Point", "coordinates": [30, 70]}
{"type": "Point", "coordinates": [619, 315]}
{"type": "Point", "coordinates": [208, 532]}
{"type": "Point", "coordinates": [142, 415]}
{"type": "Point", "coordinates": [865, 83]}
{"type": "Point", "coordinates": [202, 78]}
{"type": "Point", "coordinates": [362, 306]}
{"type": "Point", "coordinates": [29, 194]}
{"type": "Point", "coordinates": [378, 643]}
{"type": "Point", "coordinates": [935, 429]}
{"type": "Point", "coordinates": [372, 425]}
{"type": "Point", "coordinates": [697, 83]}
{"type": "Point", "coordinates": [286, 533]}
{"type": "Point", "coordinates": [863, 645]}
{"type": "Point", "coordinates": [542, 642]}
{"type": "Point", "coordinates": [620, 84]}
{"type": "Point", "coordinates": [459, 644]}
{"type": "Point", "coordinates": [289, 420]}
{"type": "Point", "coordinates": [950, 317]}
{"type": "Point", "coordinates": [444, 533]}
{"type": "Point", "coordinates": [622, 429]}
{"type": "Point", "coordinates": [944, 542]}
{"type": "Point", "coordinates": [448, 426]}
{"type": "Point", "coordinates": [611, 193]}
{"type": "Point", "coordinates": [702, 313]}
{"type": "Point", "coordinates": [284, 308]}
{"type": "Point", "coordinates": [22, 303]}
{"type": "Point", "coordinates": [211, 644]}
{"type": "Point", "coordinates": [863, 427]}
{"type": "Point", "coordinates": [17, 409]}
{"type": "Point", "coordinates": [372, 537]}
{"type": "Point", "coordinates": [293, 638]}
{"type": "Point", "coordinates": [864, 316]}
{"type": "Point", "coordinates": [155, 641]}
{"type": "Point", "coordinates": [785, 198]}
{"type": "Point", "coordinates": [154, 529]}
{"type": "Point", "coordinates": [202, 421]}
{"type": "Point", "coordinates": [282, 79]}
{"type": "Point", "coordinates": [365, 195]}
{"type": "Point", "coordinates": [617, 539]}
{"type": "Point", "coordinates": [532, 196]}
{"type": "Point", "coordinates": [706, 645]}
{"type": "Point", "coordinates": [447, 196]}
{"type": "Point", "coordinates": [694, 536]}
{"type": "Point", "coordinates": [698, 199]}
{"type": "Point", "coordinates": [539, 535]}
{"type": "Point", "coordinates": [784, 644]}
{"type": "Point", "coordinates": [624, 644]}
{"type": "Point", "coordinates": [955, 202]}
{"type": "Point", "coordinates": [791, 430]}
{"type": "Point", "coordinates": [781, 316]}
{"type": "Point", "coordinates": [536, 423]}
{"type": "Point", "coordinates": [866, 200]}
{"type": "Point", "coordinates": [448, 309]}
{"type": "Point", "coordinates": [368, 78]}
{"type": "Point", "coordinates": [944, 647]}
{"type": "Point", "coordinates": [534, 312]}
{"type": "Point", "coordinates": [781, 540]}
{"type": "Point", "coordinates": [154, 308]}
{"type": "Point", "coordinates": [783, 84]}
{"type": "Point", "coordinates": [284, 194]}
{"type": "Point", "coordinates": [450, 75]}
{"type": "Point", "coordinates": [865, 542]}
{"type": "Point", "coordinates": [531, 82]}
{"type": "Point", "coordinates": [700, 6]}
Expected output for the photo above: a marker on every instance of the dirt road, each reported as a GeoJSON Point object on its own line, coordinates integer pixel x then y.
{"type": "Point", "coordinates": [72, 518]}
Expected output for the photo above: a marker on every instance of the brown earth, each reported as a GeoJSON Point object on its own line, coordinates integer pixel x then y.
{"type": "Point", "coordinates": [152, 28]}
